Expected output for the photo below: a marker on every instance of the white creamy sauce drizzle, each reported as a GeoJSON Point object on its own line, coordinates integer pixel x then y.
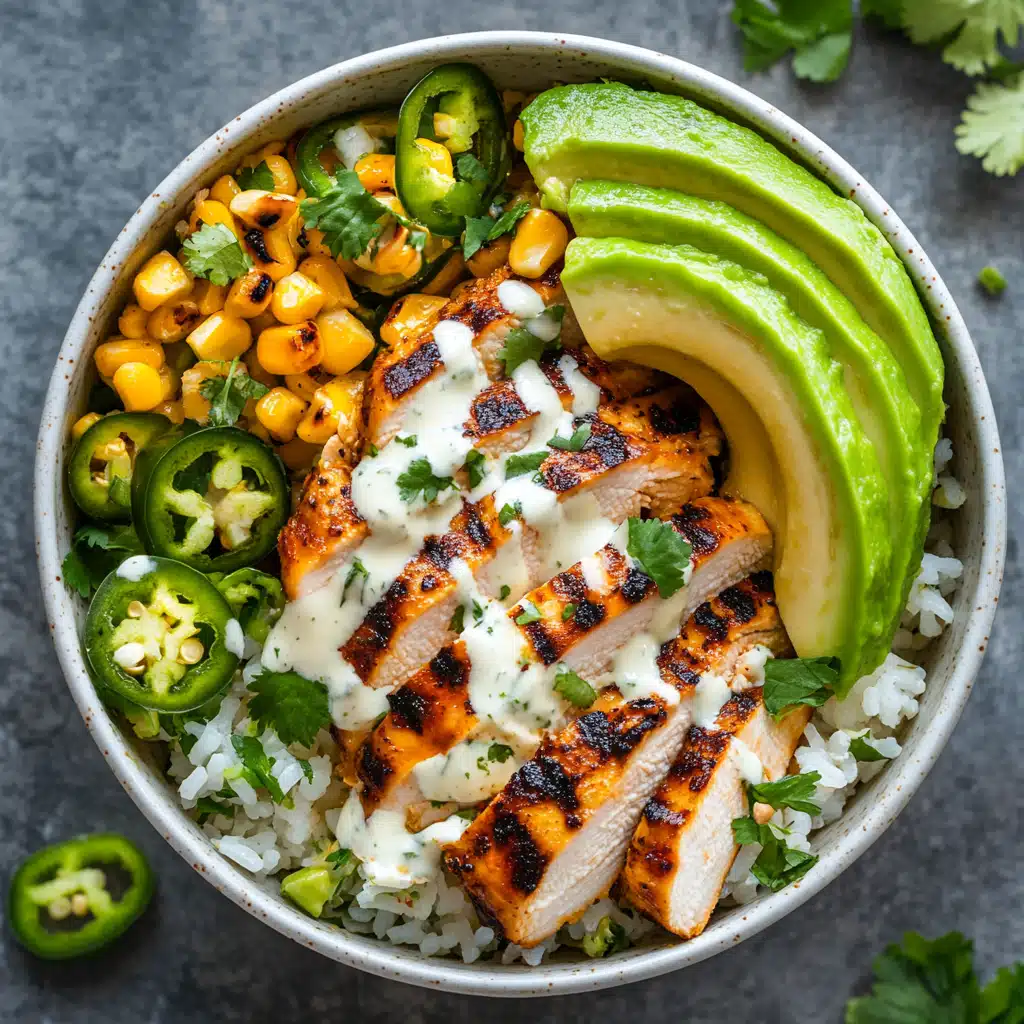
{"type": "Point", "coordinates": [465, 774]}
{"type": "Point", "coordinates": [709, 697]}
{"type": "Point", "coordinates": [136, 567]}
{"type": "Point", "coordinates": [747, 762]}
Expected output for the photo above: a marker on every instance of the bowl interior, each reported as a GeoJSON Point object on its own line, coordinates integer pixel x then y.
{"type": "Point", "coordinates": [527, 61]}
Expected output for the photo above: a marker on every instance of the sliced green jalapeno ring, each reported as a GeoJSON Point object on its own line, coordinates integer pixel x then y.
{"type": "Point", "coordinates": [456, 105]}
{"type": "Point", "coordinates": [161, 636]}
{"type": "Point", "coordinates": [101, 466]}
{"type": "Point", "coordinates": [256, 599]}
{"type": "Point", "coordinates": [380, 125]}
{"type": "Point", "coordinates": [76, 897]}
{"type": "Point", "coordinates": [214, 498]}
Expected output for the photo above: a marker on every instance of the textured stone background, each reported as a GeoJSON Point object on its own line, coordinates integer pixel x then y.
{"type": "Point", "coordinates": [98, 99]}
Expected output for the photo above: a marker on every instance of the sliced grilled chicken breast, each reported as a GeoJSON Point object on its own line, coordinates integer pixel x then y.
{"type": "Point", "coordinates": [554, 840]}
{"type": "Point", "coordinates": [683, 847]}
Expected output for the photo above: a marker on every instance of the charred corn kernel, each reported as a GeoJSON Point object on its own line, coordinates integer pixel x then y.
{"type": "Point", "coordinates": [83, 423]}
{"type": "Point", "coordinates": [291, 349]}
{"type": "Point", "coordinates": [138, 386]}
{"type": "Point", "coordinates": [397, 257]}
{"type": "Point", "coordinates": [173, 410]}
{"type": "Point", "coordinates": [302, 385]}
{"type": "Point", "coordinates": [447, 277]}
{"type": "Point", "coordinates": [170, 381]}
{"type": "Point", "coordinates": [376, 171]}
{"type": "Point", "coordinates": [209, 297]}
{"type": "Point", "coordinates": [161, 279]}
{"type": "Point", "coordinates": [284, 176]}
{"type": "Point", "coordinates": [220, 336]}
{"type": "Point", "coordinates": [517, 135]}
{"type": "Point", "coordinates": [264, 210]}
{"type": "Point", "coordinates": [294, 229]}
{"type": "Point", "coordinates": [194, 405]}
{"type": "Point", "coordinates": [347, 396]}
{"type": "Point", "coordinates": [344, 341]}
{"type": "Point", "coordinates": [172, 322]}
{"type": "Point", "coordinates": [540, 241]}
{"type": "Point", "coordinates": [118, 351]}
{"type": "Point", "coordinates": [315, 244]}
{"type": "Point", "coordinates": [209, 211]}
{"type": "Point", "coordinates": [271, 252]}
{"type": "Point", "coordinates": [296, 298]}
{"type": "Point", "coordinates": [256, 371]}
{"type": "Point", "coordinates": [132, 321]}
{"type": "Point", "coordinates": [320, 420]}
{"type": "Point", "coordinates": [332, 281]}
{"type": "Point", "coordinates": [410, 315]}
{"type": "Point", "coordinates": [298, 455]}
{"type": "Point", "coordinates": [280, 411]}
{"type": "Point", "coordinates": [250, 295]}
{"type": "Point", "coordinates": [437, 156]}
{"type": "Point", "coordinates": [224, 189]}
{"type": "Point", "coordinates": [488, 258]}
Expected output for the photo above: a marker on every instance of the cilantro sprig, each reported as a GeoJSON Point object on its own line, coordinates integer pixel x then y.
{"type": "Point", "coordinates": [259, 177]}
{"type": "Point", "coordinates": [481, 230]}
{"type": "Point", "coordinates": [574, 688]}
{"type": "Point", "coordinates": [96, 551]}
{"type": "Point", "coordinates": [789, 682]}
{"type": "Point", "coordinates": [580, 436]}
{"type": "Point", "coordinates": [257, 765]}
{"type": "Point", "coordinates": [517, 465]}
{"type": "Point", "coordinates": [295, 707]}
{"type": "Point", "coordinates": [662, 553]}
{"type": "Point", "coordinates": [348, 215]}
{"type": "Point", "coordinates": [419, 480]}
{"type": "Point", "coordinates": [792, 791]}
{"type": "Point", "coordinates": [227, 395]}
{"type": "Point", "coordinates": [521, 346]}
{"type": "Point", "coordinates": [213, 252]}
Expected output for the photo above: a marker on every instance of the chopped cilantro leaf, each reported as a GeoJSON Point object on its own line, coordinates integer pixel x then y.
{"type": "Point", "coordinates": [574, 688]}
{"type": "Point", "coordinates": [862, 750]}
{"type": "Point", "coordinates": [468, 168]}
{"type": "Point", "coordinates": [969, 29]}
{"type": "Point", "coordinates": [521, 346]}
{"type": "Point", "coordinates": [481, 230]}
{"type": "Point", "coordinates": [348, 215]}
{"type": "Point", "coordinates": [662, 553]}
{"type": "Point", "coordinates": [608, 937]}
{"type": "Point", "coordinates": [580, 436]}
{"type": "Point", "coordinates": [792, 681]}
{"type": "Point", "coordinates": [517, 465]}
{"type": "Point", "coordinates": [777, 865]}
{"type": "Point", "coordinates": [478, 610]}
{"type": "Point", "coordinates": [96, 551]}
{"type": "Point", "coordinates": [474, 467]}
{"type": "Point", "coordinates": [457, 622]}
{"type": "Point", "coordinates": [259, 177]}
{"type": "Point", "coordinates": [356, 571]}
{"type": "Point", "coordinates": [339, 857]}
{"type": "Point", "coordinates": [504, 592]}
{"type": "Point", "coordinates": [296, 708]}
{"type": "Point", "coordinates": [568, 612]}
{"type": "Point", "coordinates": [992, 126]}
{"type": "Point", "coordinates": [790, 791]}
{"type": "Point", "coordinates": [409, 442]}
{"type": "Point", "coordinates": [509, 512]}
{"type": "Point", "coordinates": [419, 479]}
{"type": "Point", "coordinates": [307, 769]}
{"type": "Point", "coordinates": [467, 813]}
{"type": "Point", "coordinates": [227, 395]}
{"type": "Point", "coordinates": [213, 252]}
{"type": "Point", "coordinates": [499, 752]}
{"type": "Point", "coordinates": [528, 614]}
{"type": "Point", "coordinates": [257, 765]}
{"type": "Point", "coordinates": [208, 807]}
{"type": "Point", "coordinates": [992, 280]}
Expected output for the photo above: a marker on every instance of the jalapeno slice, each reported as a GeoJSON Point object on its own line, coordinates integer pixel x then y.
{"type": "Point", "coordinates": [380, 125]}
{"type": "Point", "coordinates": [472, 120]}
{"type": "Point", "coordinates": [78, 896]}
{"type": "Point", "coordinates": [256, 599]}
{"type": "Point", "coordinates": [161, 635]}
{"type": "Point", "coordinates": [101, 466]}
{"type": "Point", "coordinates": [214, 499]}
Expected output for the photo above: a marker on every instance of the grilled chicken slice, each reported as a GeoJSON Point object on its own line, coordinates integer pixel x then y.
{"type": "Point", "coordinates": [554, 840]}
{"type": "Point", "coordinates": [432, 712]}
{"type": "Point", "coordinates": [683, 847]}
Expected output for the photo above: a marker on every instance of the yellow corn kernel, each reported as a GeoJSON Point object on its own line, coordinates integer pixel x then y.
{"type": "Point", "coordinates": [260, 323]}
{"type": "Point", "coordinates": [173, 410]}
{"type": "Point", "coordinates": [209, 297]}
{"type": "Point", "coordinates": [447, 277]}
{"type": "Point", "coordinates": [224, 189]}
{"type": "Point", "coordinates": [315, 244]}
{"type": "Point", "coordinates": [194, 405]}
{"type": "Point", "coordinates": [397, 257]}
{"type": "Point", "coordinates": [347, 396]}
{"type": "Point", "coordinates": [220, 336]}
{"type": "Point", "coordinates": [294, 348]}
{"type": "Point", "coordinates": [132, 321]}
{"type": "Point", "coordinates": [271, 252]}
{"type": "Point", "coordinates": [489, 257]}
{"type": "Point", "coordinates": [298, 455]}
{"type": "Point", "coordinates": [264, 210]}
{"type": "Point", "coordinates": [170, 380]}
{"type": "Point", "coordinates": [438, 157]}
{"type": "Point", "coordinates": [301, 384]}
{"type": "Point", "coordinates": [161, 279]}
{"type": "Point", "coordinates": [256, 371]}
{"type": "Point", "coordinates": [250, 295]}
{"type": "Point", "coordinates": [172, 322]}
{"type": "Point", "coordinates": [540, 241]}
{"type": "Point", "coordinates": [293, 229]}
{"type": "Point", "coordinates": [138, 386]}
{"type": "Point", "coordinates": [344, 341]}
{"type": "Point", "coordinates": [332, 281]}
{"type": "Point", "coordinates": [118, 351]}
{"type": "Point", "coordinates": [376, 171]}
{"type": "Point", "coordinates": [329, 403]}
{"type": "Point", "coordinates": [410, 315]}
{"type": "Point", "coordinates": [284, 176]}
{"type": "Point", "coordinates": [517, 135]}
{"type": "Point", "coordinates": [280, 411]}
{"type": "Point", "coordinates": [83, 423]}
{"type": "Point", "coordinates": [296, 298]}
{"type": "Point", "coordinates": [209, 211]}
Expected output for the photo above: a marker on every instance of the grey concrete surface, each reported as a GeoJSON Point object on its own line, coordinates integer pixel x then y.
{"type": "Point", "coordinates": [98, 99]}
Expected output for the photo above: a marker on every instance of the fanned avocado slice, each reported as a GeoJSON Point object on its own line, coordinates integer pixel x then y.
{"type": "Point", "coordinates": [873, 379]}
{"type": "Point", "coordinates": [833, 548]}
{"type": "Point", "coordinates": [613, 132]}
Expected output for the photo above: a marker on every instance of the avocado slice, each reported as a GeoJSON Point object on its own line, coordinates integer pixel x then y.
{"type": "Point", "coordinates": [611, 131]}
{"type": "Point", "coordinates": [873, 379]}
{"type": "Point", "coordinates": [833, 549]}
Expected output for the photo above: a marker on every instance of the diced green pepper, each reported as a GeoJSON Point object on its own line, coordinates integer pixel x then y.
{"type": "Point", "coordinates": [256, 598]}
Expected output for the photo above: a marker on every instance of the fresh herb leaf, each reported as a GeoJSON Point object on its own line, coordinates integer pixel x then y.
{"type": "Point", "coordinates": [777, 865]}
{"type": "Point", "coordinates": [662, 553]}
{"type": "Point", "coordinates": [256, 599]}
{"type": "Point", "coordinates": [499, 752]}
{"type": "Point", "coordinates": [95, 552]}
{"type": "Point", "coordinates": [339, 858]}
{"type": "Point", "coordinates": [468, 168]}
{"type": "Point", "coordinates": [521, 346]}
{"type": "Point", "coordinates": [307, 770]}
{"type": "Point", "coordinates": [259, 177]}
{"type": "Point", "coordinates": [792, 681]}
{"type": "Point", "coordinates": [478, 611]}
{"type": "Point", "coordinates": [208, 807]}
{"type": "Point", "coordinates": [348, 215]}
{"type": "Point", "coordinates": [608, 937]}
{"type": "Point", "coordinates": [574, 688]}
{"type": "Point", "coordinates": [790, 791]}
{"type": "Point", "coordinates": [970, 29]}
{"type": "Point", "coordinates": [889, 12]}
{"type": "Point", "coordinates": [517, 465]}
{"type": "Point", "coordinates": [467, 813]}
{"type": "Point", "coordinates": [509, 512]}
{"type": "Point", "coordinates": [227, 395]}
{"type": "Point", "coordinates": [505, 589]}
{"type": "Point", "coordinates": [580, 436]}
{"type": "Point", "coordinates": [508, 220]}
{"type": "Point", "coordinates": [457, 623]}
{"type": "Point", "coordinates": [409, 442]}
{"type": "Point", "coordinates": [372, 450]}
{"type": "Point", "coordinates": [1002, 999]}
{"type": "Point", "coordinates": [475, 467]}
{"type": "Point", "coordinates": [257, 765]}
{"type": "Point", "coordinates": [213, 252]}
{"type": "Point", "coordinates": [992, 126]}
{"type": "Point", "coordinates": [862, 750]}
{"type": "Point", "coordinates": [356, 571]}
{"type": "Point", "coordinates": [528, 614]}
{"type": "Point", "coordinates": [296, 708]}
{"type": "Point", "coordinates": [989, 278]}
{"type": "Point", "coordinates": [419, 479]}
{"type": "Point", "coordinates": [568, 612]}
{"type": "Point", "coordinates": [120, 491]}
{"type": "Point", "coordinates": [481, 230]}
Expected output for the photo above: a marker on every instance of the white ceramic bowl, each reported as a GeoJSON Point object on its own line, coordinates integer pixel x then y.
{"type": "Point", "coordinates": [527, 60]}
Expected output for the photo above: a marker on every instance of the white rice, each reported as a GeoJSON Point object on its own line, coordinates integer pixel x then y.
{"type": "Point", "coordinates": [265, 838]}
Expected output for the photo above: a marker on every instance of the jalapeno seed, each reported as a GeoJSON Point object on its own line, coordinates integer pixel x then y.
{"type": "Point", "coordinates": [191, 651]}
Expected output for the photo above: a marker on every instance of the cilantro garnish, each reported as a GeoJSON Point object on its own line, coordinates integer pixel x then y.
{"type": "Point", "coordinates": [207, 807]}
{"type": "Point", "coordinates": [95, 552]}
{"type": "Point", "coordinates": [259, 177]}
{"type": "Point", "coordinates": [608, 937]}
{"type": "Point", "coordinates": [792, 681]}
{"type": "Point", "coordinates": [790, 791]}
{"type": "Point", "coordinates": [256, 766]}
{"type": "Point", "coordinates": [227, 395]}
{"type": "Point", "coordinates": [991, 279]}
{"type": "Point", "coordinates": [481, 230]}
{"type": "Point", "coordinates": [574, 688]}
{"type": "Point", "coordinates": [307, 770]}
{"type": "Point", "coordinates": [410, 441]}
{"type": "Point", "coordinates": [419, 479]}
{"type": "Point", "coordinates": [970, 29]}
{"type": "Point", "coordinates": [296, 708]}
{"type": "Point", "coordinates": [528, 614]}
{"type": "Point", "coordinates": [509, 512]}
{"type": "Point", "coordinates": [457, 622]}
{"type": "Point", "coordinates": [474, 467]}
{"type": "Point", "coordinates": [339, 858]}
{"type": "Point", "coordinates": [499, 752]}
{"type": "Point", "coordinates": [568, 612]}
{"type": "Point", "coordinates": [992, 126]}
{"type": "Point", "coordinates": [517, 465]}
{"type": "Point", "coordinates": [356, 571]}
{"type": "Point", "coordinates": [348, 215]}
{"type": "Point", "coordinates": [468, 168]}
{"type": "Point", "coordinates": [662, 553]}
{"type": "Point", "coordinates": [213, 252]}
{"type": "Point", "coordinates": [505, 590]}
{"type": "Point", "coordinates": [521, 346]}
{"type": "Point", "coordinates": [777, 865]}
{"type": "Point", "coordinates": [862, 750]}
{"type": "Point", "coordinates": [580, 436]}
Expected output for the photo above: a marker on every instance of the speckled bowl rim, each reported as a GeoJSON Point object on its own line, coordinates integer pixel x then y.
{"type": "Point", "coordinates": [978, 596]}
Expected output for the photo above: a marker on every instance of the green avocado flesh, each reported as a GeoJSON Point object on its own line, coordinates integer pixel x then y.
{"type": "Point", "coordinates": [612, 132]}
{"type": "Point", "coordinates": [873, 379]}
{"type": "Point", "coordinates": [833, 550]}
